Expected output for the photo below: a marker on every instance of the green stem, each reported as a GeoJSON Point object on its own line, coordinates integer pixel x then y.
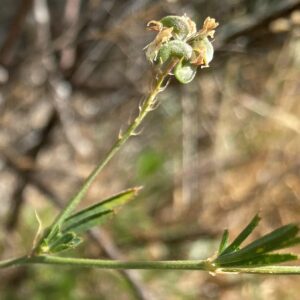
{"type": "Point", "coordinates": [13, 262]}
{"type": "Point", "coordinates": [111, 264]}
{"type": "Point", "coordinates": [269, 270]}
{"type": "Point", "coordinates": [200, 265]}
{"type": "Point", "coordinates": [146, 107]}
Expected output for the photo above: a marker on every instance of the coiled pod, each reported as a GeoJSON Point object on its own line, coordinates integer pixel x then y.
{"type": "Point", "coordinates": [185, 71]}
{"type": "Point", "coordinates": [203, 52]}
{"type": "Point", "coordinates": [183, 27]}
{"type": "Point", "coordinates": [175, 48]}
{"type": "Point", "coordinates": [177, 36]}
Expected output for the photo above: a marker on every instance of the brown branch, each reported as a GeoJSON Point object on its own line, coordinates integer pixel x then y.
{"type": "Point", "coordinates": [249, 25]}
{"type": "Point", "coordinates": [24, 171]}
{"type": "Point", "coordinates": [6, 51]}
{"type": "Point", "coordinates": [68, 54]}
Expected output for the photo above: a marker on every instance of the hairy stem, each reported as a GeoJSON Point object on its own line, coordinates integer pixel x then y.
{"type": "Point", "coordinates": [13, 262]}
{"type": "Point", "coordinates": [146, 107]}
{"type": "Point", "coordinates": [110, 264]}
{"type": "Point", "coordinates": [200, 265]}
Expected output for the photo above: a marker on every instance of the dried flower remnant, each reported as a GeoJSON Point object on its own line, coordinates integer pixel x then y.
{"type": "Point", "coordinates": [203, 48]}
{"type": "Point", "coordinates": [178, 37]}
{"type": "Point", "coordinates": [203, 52]}
{"type": "Point", "coordinates": [209, 26]}
{"type": "Point", "coordinates": [163, 36]}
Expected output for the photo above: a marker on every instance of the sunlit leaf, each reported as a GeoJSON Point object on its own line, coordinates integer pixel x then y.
{"type": "Point", "coordinates": [98, 213]}
{"type": "Point", "coordinates": [85, 223]}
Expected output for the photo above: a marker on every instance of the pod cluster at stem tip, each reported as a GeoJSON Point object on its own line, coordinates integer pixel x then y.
{"type": "Point", "coordinates": [177, 36]}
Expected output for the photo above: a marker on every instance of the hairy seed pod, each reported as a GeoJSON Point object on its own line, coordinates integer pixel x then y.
{"type": "Point", "coordinates": [185, 72]}
{"type": "Point", "coordinates": [181, 26]}
{"type": "Point", "coordinates": [174, 48]}
{"type": "Point", "coordinates": [203, 51]}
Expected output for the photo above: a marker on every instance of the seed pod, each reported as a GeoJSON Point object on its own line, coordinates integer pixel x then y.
{"type": "Point", "coordinates": [162, 37]}
{"type": "Point", "coordinates": [185, 72]}
{"type": "Point", "coordinates": [182, 26]}
{"type": "Point", "coordinates": [174, 48]}
{"type": "Point", "coordinates": [203, 52]}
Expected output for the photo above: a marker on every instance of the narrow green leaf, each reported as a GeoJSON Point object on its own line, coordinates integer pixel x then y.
{"type": "Point", "coordinates": [66, 241]}
{"type": "Point", "coordinates": [53, 236]}
{"type": "Point", "coordinates": [224, 241]}
{"type": "Point", "coordinates": [269, 270]}
{"type": "Point", "coordinates": [185, 72]}
{"type": "Point", "coordinates": [96, 210]}
{"type": "Point", "coordinates": [63, 239]}
{"type": "Point", "coordinates": [63, 247]}
{"type": "Point", "coordinates": [84, 224]}
{"type": "Point", "coordinates": [242, 236]}
{"type": "Point", "coordinates": [262, 260]}
{"type": "Point", "coordinates": [291, 242]}
{"type": "Point", "coordinates": [275, 240]}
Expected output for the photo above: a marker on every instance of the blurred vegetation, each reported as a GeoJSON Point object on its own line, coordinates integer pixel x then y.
{"type": "Point", "coordinates": [215, 152]}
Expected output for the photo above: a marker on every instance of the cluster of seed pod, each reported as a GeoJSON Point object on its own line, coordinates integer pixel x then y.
{"type": "Point", "coordinates": [177, 36]}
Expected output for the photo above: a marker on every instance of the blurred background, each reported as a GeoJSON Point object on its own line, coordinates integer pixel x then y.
{"type": "Point", "coordinates": [215, 152]}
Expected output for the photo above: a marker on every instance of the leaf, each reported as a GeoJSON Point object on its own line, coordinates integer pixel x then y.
{"type": "Point", "coordinates": [224, 242]}
{"type": "Point", "coordinates": [291, 242]}
{"type": "Point", "coordinates": [98, 213]}
{"type": "Point", "coordinates": [277, 239]}
{"type": "Point", "coordinates": [66, 241]}
{"type": "Point", "coordinates": [52, 236]}
{"type": "Point", "coordinates": [175, 48]}
{"type": "Point", "coordinates": [242, 236]}
{"type": "Point", "coordinates": [274, 240]}
{"type": "Point", "coordinates": [262, 260]}
{"type": "Point", "coordinates": [84, 224]}
{"type": "Point", "coordinates": [185, 72]}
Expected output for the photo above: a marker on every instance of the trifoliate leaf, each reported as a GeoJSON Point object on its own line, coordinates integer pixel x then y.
{"type": "Point", "coordinates": [98, 213]}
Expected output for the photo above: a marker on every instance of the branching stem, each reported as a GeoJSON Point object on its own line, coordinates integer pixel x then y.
{"type": "Point", "coordinates": [145, 108]}
{"type": "Point", "coordinates": [109, 264]}
{"type": "Point", "coordinates": [199, 265]}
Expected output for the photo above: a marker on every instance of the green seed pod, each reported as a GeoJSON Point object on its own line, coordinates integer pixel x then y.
{"type": "Point", "coordinates": [181, 27]}
{"type": "Point", "coordinates": [205, 50]}
{"type": "Point", "coordinates": [185, 72]}
{"type": "Point", "coordinates": [174, 48]}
